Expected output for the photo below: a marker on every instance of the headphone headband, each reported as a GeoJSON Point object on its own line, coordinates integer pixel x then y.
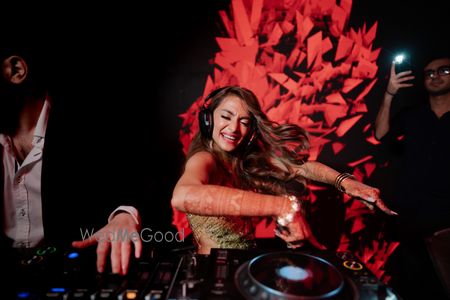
{"type": "Point", "coordinates": [212, 95]}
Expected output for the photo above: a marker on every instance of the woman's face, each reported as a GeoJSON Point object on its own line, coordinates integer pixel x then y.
{"type": "Point", "coordinates": [231, 123]}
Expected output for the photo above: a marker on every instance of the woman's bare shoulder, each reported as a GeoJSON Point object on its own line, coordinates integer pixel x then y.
{"type": "Point", "coordinates": [203, 158]}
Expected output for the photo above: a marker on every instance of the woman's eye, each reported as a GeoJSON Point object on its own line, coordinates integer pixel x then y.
{"type": "Point", "coordinates": [245, 123]}
{"type": "Point", "coordinates": [226, 118]}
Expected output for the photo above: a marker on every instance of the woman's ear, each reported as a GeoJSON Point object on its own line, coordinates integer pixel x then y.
{"type": "Point", "coordinates": [15, 69]}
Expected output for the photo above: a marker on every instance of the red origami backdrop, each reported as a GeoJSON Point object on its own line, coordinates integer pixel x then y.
{"type": "Point", "coordinates": [307, 67]}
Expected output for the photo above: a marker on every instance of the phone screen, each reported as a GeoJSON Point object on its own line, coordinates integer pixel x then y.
{"type": "Point", "coordinates": [402, 63]}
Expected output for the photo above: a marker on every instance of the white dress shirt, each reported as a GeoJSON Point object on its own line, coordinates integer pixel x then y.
{"type": "Point", "coordinates": [22, 189]}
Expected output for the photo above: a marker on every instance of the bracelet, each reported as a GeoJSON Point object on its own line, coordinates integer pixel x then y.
{"type": "Point", "coordinates": [339, 179]}
{"type": "Point", "coordinates": [389, 93]}
{"type": "Point", "coordinates": [289, 217]}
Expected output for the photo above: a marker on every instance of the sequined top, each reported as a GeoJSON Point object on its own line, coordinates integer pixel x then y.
{"type": "Point", "coordinates": [221, 232]}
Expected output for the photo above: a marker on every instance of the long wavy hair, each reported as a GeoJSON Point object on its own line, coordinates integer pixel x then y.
{"type": "Point", "coordinates": [252, 163]}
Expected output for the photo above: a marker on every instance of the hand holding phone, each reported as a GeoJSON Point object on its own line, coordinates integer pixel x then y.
{"type": "Point", "coordinates": [398, 81]}
{"type": "Point", "coordinates": [402, 63]}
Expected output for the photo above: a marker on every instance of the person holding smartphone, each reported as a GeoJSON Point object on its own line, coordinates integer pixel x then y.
{"type": "Point", "coordinates": [422, 196]}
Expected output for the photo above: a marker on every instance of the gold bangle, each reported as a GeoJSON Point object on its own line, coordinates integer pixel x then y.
{"type": "Point", "coordinates": [339, 179]}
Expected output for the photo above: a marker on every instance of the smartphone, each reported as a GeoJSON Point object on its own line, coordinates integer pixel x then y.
{"type": "Point", "coordinates": [402, 63]}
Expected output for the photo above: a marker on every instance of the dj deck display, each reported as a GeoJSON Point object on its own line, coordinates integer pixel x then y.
{"type": "Point", "coordinates": [49, 273]}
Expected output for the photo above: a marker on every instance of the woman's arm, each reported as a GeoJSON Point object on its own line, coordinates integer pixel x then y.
{"type": "Point", "coordinates": [194, 194]}
{"type": "Point", "coordinates": [319, 172]}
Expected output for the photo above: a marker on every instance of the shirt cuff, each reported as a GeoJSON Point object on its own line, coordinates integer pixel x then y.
{"type": "Point", "coordinates": [129, 209]}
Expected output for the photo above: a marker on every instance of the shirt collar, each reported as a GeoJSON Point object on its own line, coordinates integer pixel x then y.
{"type": "Point", "coordinates": [39, 131]}
{"type": "Point", "coordinates": [41, 125]}
{"type": "Point", "coordinates": [5, 141]}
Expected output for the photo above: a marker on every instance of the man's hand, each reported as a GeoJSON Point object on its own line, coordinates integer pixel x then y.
{"type": "Point", "coordinates": [398, 80]}
{"type": "Point", "coordinates": [118, 235]}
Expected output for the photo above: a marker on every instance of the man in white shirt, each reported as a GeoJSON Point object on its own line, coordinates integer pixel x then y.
{"type": "Point", "coordinates": [42, 198]}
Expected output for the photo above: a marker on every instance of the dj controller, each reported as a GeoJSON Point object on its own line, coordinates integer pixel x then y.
{"type": "Point", "coordinates": [53, 273]}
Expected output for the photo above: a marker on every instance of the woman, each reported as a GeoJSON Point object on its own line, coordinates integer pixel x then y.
{"type": "Point", "coordinates": [239, 166]}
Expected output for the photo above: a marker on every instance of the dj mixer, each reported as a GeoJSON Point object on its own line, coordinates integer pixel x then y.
{"type": "Point", "coordinates": [53, 273]}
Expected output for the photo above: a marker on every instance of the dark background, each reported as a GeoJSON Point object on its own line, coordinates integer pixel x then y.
{"type": "Point", "coordinates": [138, 66]}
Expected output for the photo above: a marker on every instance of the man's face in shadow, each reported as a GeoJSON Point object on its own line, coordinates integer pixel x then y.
{"type": "Point", "coordinates": [12, 98]}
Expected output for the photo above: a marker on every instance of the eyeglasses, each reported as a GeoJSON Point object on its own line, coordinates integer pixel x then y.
{"type": "Point", "coordinates": [441, 71]}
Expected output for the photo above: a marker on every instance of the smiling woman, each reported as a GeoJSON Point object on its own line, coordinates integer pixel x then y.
{"type": "Point", "coordinates": [240, 165]}
{"type": "Point", "coordinates": [233, 123]}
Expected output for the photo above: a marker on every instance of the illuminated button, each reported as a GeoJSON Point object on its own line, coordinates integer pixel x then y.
{"type": "Point", "coordinates": [23, 295]}
{"type": "Point", "coordinates": [34, 260]}
{"type": "Point", "coordinates": [48, 250]}
{"type": "Point", "coordinates": [56, 293]}
{"type": "Point", "coordinates": [73, 255]}
{"type": "Point", "coordinates": [105, 294]}
{"type": "Point", "coordinates": [246, 282]}
{"type": "Point", "coordinates": [352, 265]}
{"type": "Point", "coordinates": [253, 290]}
{"type": "Point", "coordinates": [131, 295]}
{"type": "Point", "coordinates": [154, 295]}
{"type": "Point", "coordinates": [80, 294]}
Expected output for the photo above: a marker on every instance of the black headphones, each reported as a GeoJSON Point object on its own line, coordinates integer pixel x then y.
{"type": "Point", "coordinates": [205, 118]}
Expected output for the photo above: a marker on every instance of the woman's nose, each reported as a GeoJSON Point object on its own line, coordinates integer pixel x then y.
{"type": "Point", "coordinates": [234, 126]}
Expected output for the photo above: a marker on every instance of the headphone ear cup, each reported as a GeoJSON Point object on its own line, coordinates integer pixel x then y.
{"type": "Point", "coordinates": [205, 122]}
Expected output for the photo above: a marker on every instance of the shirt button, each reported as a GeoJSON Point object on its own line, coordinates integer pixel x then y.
{"type": "Point", "coordinates": [22, 212]}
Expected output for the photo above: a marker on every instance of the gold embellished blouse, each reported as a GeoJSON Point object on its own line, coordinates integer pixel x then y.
{"type": "Point", "coordinates": [221, 232]}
